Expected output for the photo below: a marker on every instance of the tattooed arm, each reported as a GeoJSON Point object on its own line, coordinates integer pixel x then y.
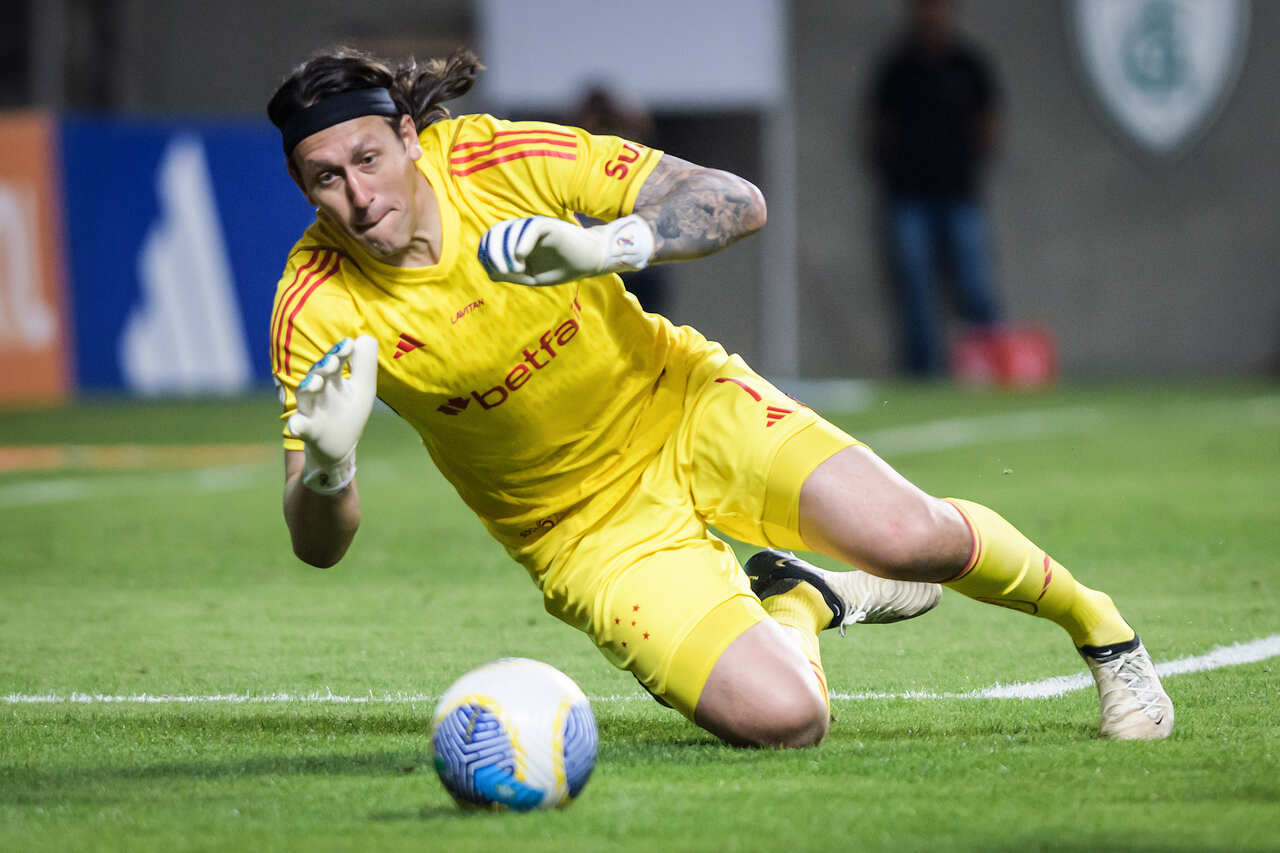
{"type": "Point", "coordinates": [691, 212]}
{"type": "Point", "coordinates": [695, 211]}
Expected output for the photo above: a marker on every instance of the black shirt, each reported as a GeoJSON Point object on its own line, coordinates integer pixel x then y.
{"type": "Point", "coordinates": [929, 111]}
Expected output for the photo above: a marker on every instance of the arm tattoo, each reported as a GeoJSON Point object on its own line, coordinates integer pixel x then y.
{"type": "Point", "coordinates": [695, 211]}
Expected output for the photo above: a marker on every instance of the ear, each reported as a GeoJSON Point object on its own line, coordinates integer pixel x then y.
{"type": "Point", "coordinates": [409, 136]}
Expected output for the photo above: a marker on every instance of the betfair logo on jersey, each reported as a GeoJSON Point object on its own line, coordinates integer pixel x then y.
{"type": "Point", "coordinates": [536, 356]}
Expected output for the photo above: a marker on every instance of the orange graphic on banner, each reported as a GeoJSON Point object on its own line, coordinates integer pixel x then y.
{"type": "Point", "coordinates": [34, 338]}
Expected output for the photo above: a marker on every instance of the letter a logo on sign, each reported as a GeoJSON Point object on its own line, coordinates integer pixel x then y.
{"type": "Point", "coordinates": [185, 335]}
{"type": "Point", "coordinates": [1161, 69]}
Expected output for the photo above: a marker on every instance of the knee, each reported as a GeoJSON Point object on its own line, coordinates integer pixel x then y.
{"type": "Point", "coordinates": [927, 541]}
{"type": "Point", "coordinates": [783, 719]}
{"type": "Point", "coordinates": [802, 724]}
{"type": "Point", "coordinates": [764, 692]}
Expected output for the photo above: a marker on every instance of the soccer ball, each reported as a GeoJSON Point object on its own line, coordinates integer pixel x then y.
{"type": "Point", "coordinates": [514, 733]}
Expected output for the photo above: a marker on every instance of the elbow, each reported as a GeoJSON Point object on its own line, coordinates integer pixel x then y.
{"type": "Point", "coordinates": [757, 212]}
{"type": "Point", "coordinates": [319, 559]}
{"type": "Point", "coordinates": [320, 530]}
{"type": "Point", "coordinates": [323, 553]}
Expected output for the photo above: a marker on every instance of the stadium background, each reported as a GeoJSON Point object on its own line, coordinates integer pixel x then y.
{"type": "Point", "coordinates": [173, 678]}
{"type": "Point", "coordinates": [1142, 266]}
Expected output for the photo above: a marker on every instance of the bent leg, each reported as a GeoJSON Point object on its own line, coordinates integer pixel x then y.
{"type": "Point", "coordinates": [1008, 570]}
{"type": "Point", "coordinates": [683, 620]}
{"type": "Point", "coordinates": [763, 691]}
{"type": "Point", "coordinates": [856, 508]}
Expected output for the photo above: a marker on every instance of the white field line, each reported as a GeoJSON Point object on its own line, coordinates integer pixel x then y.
{"type": "Point", "coordinates": [1219, 657]}
{"type": "Point", "coordinates": [1222, 656]}
{"type": "Point", "coordinates": [64, 489]}
{"type": "Point", "coordinates": [951, 433]}
{"type": "Point", "coordinates": [932, 436]}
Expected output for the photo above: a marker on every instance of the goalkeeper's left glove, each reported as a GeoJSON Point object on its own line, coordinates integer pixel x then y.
{"type": "Point", "coordinates": [332, 411]}
{"type": "Point", "coordinates": [545, 250]}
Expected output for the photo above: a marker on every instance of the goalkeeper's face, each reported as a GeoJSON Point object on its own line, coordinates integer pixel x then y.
{"type": "Point", "coordinates": [361, 173]}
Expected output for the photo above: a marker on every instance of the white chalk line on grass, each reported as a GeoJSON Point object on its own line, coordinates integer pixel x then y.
{"type": "Point", "coordinates": [1222, 656]}
{"type": "Point", "coordinates": [66, 489]}
{"type": "Point", "coordinates": [952, 433]}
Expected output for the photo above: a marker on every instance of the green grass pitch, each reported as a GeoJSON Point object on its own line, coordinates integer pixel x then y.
{"type": "Point", "coordinates": [149, 572]}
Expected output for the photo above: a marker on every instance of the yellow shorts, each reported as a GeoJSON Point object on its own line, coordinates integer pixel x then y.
{"type": "Point", "coordinates": [660, 594]}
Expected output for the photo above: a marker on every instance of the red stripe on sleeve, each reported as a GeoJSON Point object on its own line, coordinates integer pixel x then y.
{"type": "Point", "coordinates": [545, 132]}
{"type": "Point", "coordinates": [744, 386]}
{"type": "Point", "coordinates": [485, 152]}
{"type": "Point", "coordinates": [519, 155]}
{"type": "Point", "coordinates": [276, 343]}
{"type": "Point", "coordinates": [303, 301]}
{"type": "Point", "coordinates": [277, 312]}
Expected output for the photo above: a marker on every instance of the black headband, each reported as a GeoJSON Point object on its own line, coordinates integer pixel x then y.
{"type": "Point", "coordinates": [336, 109]}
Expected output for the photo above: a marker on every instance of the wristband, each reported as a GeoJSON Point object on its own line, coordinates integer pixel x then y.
{"type": "Point", "coordinates": [329, 479]}
{"type": "Point", "coordinates": [630, 245]}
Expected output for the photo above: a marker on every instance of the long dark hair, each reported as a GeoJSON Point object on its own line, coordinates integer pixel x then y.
{"type": "Point", "coordinates": [418, 89]}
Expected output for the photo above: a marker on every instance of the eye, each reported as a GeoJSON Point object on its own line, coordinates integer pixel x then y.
{"type": "Point", "coordinates": [369, 158]}
{"type": "Point", "coordinates": [326, 179]}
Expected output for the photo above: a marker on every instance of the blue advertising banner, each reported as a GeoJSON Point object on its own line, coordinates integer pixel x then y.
{"type": "Point", "coordinates": [176, 235]}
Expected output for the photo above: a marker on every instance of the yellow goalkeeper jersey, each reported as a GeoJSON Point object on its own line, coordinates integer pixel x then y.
{"type": "Point", "coordinates": [529, 399]}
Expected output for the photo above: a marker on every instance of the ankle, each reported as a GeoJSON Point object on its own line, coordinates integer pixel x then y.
{"type": "Point", "coordinates": [1094, 621]}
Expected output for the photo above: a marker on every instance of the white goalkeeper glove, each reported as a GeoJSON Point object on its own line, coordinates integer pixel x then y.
{"type": "Point", "coordinates": [332, 411]}
{"type": "Point", "coordinates": [545, 250]}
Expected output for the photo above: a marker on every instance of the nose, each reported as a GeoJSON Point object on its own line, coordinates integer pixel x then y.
{"type": "Point", "coordinates": [359, 191]}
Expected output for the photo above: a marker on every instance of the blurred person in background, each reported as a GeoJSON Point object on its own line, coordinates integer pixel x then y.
{"type": "Point", "coordinates": [934, 120]}
{"type": "Point", "coordinates": [605, 112]}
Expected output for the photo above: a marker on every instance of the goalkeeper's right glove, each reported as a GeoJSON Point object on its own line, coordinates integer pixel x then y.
{"type": "Point", "coordinates": [332, 411]}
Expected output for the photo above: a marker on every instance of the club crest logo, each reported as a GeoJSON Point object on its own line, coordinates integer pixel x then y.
{"type": "Point", "coordinates": [1161, 69]}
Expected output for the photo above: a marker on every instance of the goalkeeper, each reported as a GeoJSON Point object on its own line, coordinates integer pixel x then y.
{"type": "Point", "coordinates": [446, 274]}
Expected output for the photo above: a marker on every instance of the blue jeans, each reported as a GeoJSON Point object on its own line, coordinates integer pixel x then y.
{"type": "Point", "coordinates": [923, 235]}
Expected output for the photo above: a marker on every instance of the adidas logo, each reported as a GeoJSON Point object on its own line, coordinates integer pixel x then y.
{"type": "Point", "coordinates": [407, 344]}
{"type": "Point", "coordinates": [773, 414]}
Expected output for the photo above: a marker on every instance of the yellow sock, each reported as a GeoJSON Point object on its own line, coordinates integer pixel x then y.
{"type": "Point", "coordinates": [1007, 569]}
{"type": "Point", "coordinates": [804, 611]}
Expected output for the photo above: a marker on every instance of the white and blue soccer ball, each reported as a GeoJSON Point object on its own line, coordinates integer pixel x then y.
{"type": "Point", "coordinates": [514, 733]}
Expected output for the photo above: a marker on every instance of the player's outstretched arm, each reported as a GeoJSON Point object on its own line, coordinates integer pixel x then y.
{"type": "Point", "coordinates": [682, 212]}
{"type": "Point", "coordinates": [321, 504]}
{"type": "Point", "coordinates": [695, 211]}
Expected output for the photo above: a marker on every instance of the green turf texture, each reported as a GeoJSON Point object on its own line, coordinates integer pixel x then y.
{"type": "Point", "coordinates": [181, 582]}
